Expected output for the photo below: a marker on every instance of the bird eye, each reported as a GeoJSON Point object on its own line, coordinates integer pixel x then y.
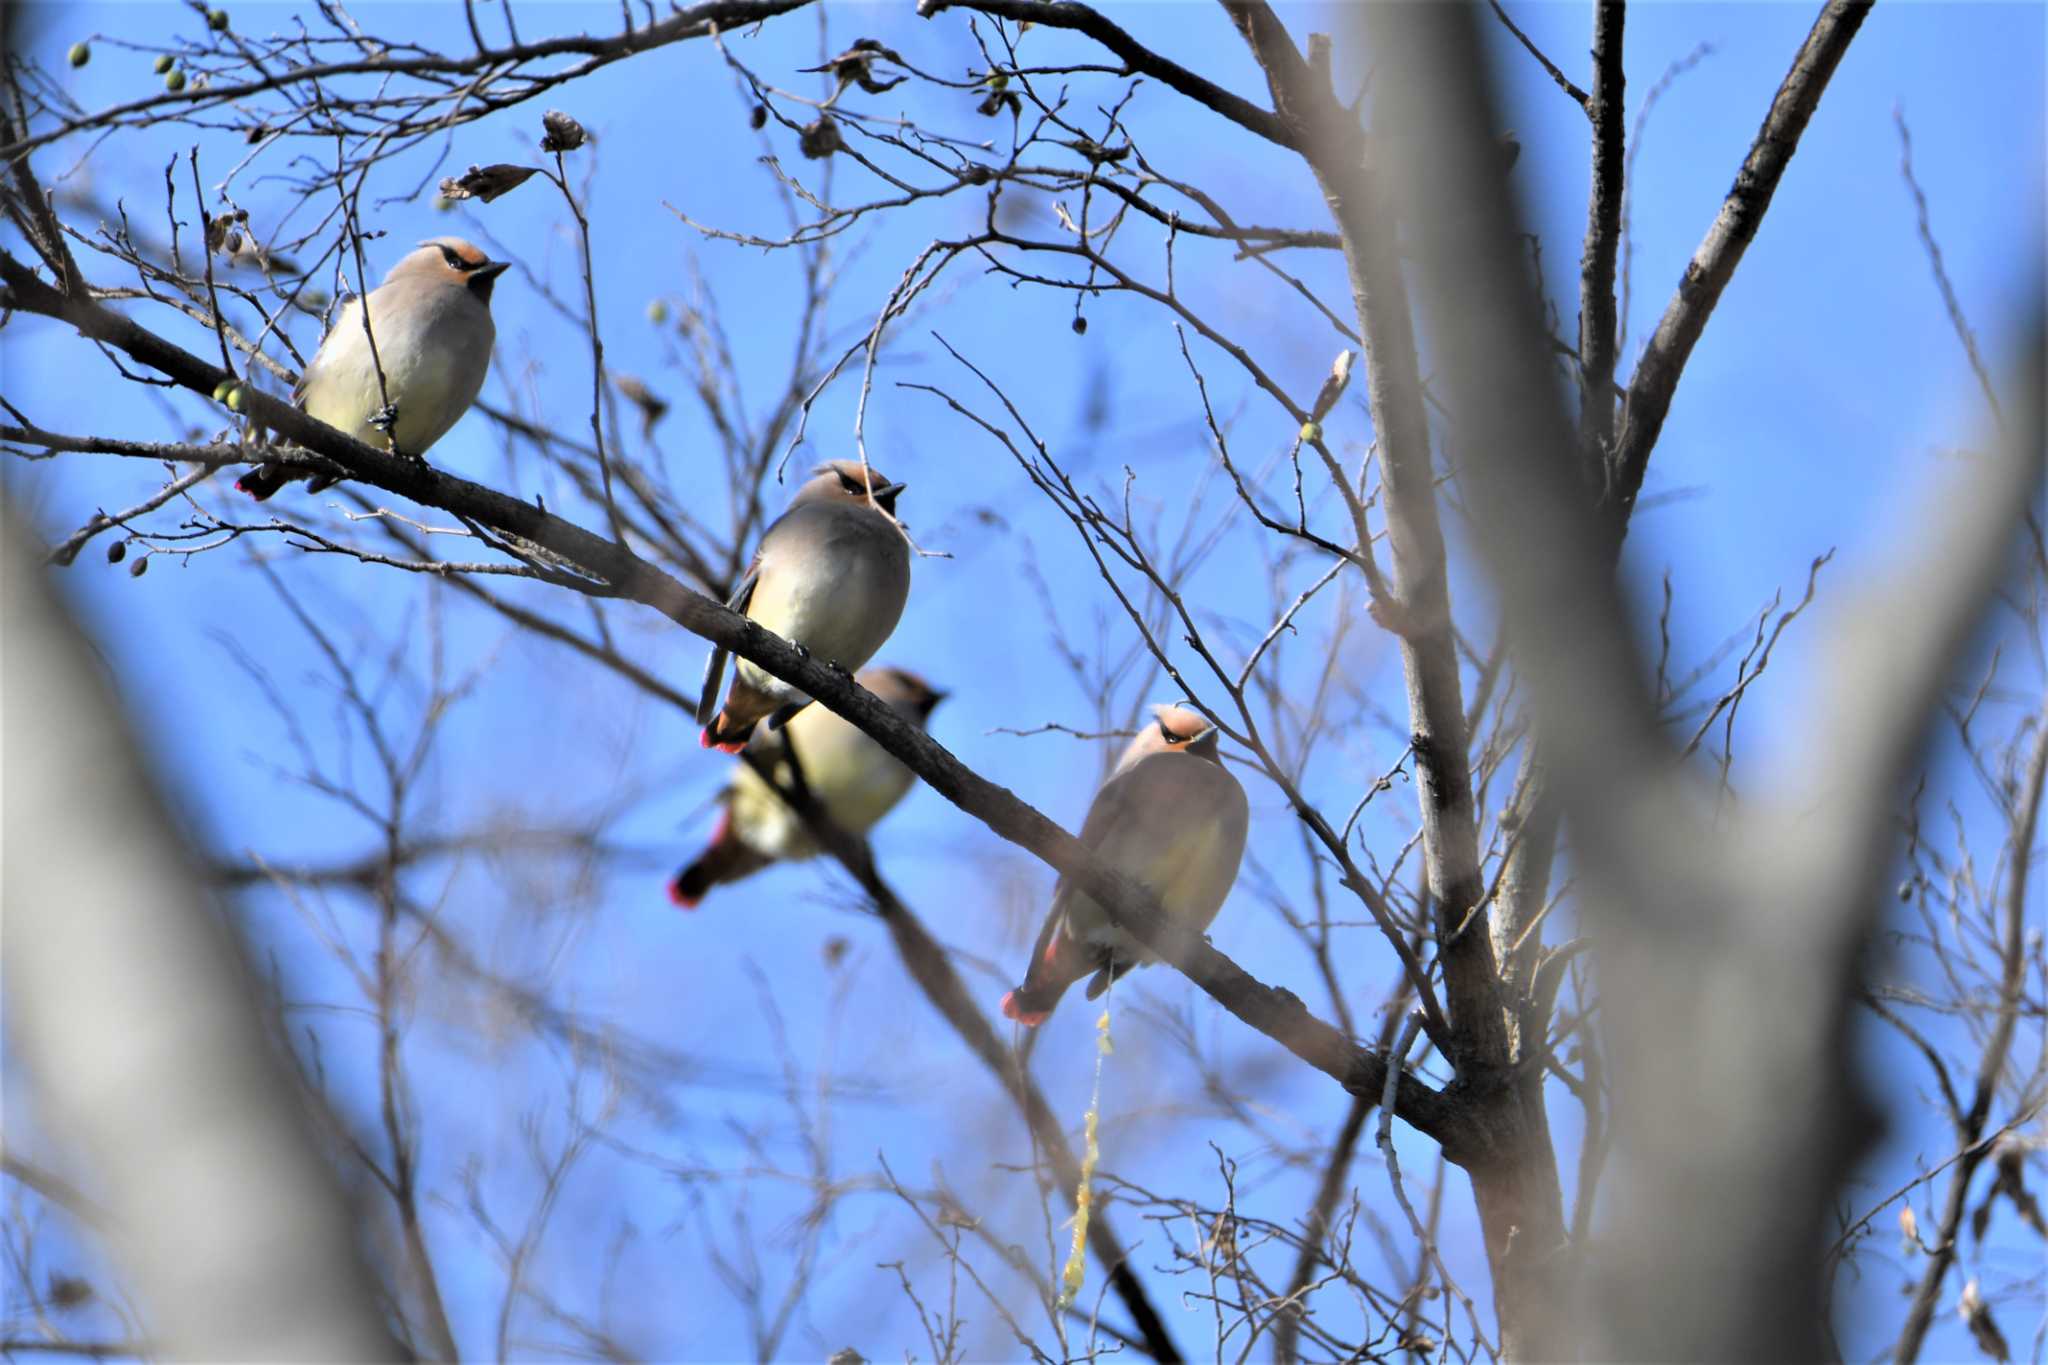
{"type": "Point", "coordinates": [454, 259]}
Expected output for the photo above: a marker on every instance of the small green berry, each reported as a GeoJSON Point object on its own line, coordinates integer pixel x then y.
{"type": "Point", "coordinates": [657, 312]}
{"type": "Point", "coordinates": [217, 20]}
{"type": "Point", "coordinates": [80, 54]}
{"type": "Point", "coordinates": [175, 82]}
{"type": "Point", "coordinates": [443, 203]}
{"type": "Point", "coordinates": [162, 64]}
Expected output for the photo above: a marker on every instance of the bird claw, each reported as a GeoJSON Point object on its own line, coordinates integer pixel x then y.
{"type": "Point", "coordinates": [801, 652]}
{"type": "Point", "coordinates": [834, 666]}
{"type": "Point", "coordinates": [385, 418]}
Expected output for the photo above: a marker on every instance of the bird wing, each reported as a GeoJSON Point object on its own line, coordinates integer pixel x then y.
{"type": "Point", "coordinates": [1174, 823]}
{"type": "Point", "coordinates": [714, 667]}
{"type": "Point", "coordinates": [322, 354]}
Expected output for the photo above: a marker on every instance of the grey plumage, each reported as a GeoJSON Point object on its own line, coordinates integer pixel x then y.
{"type": "Point", "coordinates": [831, 577]}
{"type": "Point", "coordinates": [431, 319]}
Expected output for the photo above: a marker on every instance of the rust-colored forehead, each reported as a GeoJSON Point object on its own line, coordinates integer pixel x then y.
{"type": "Point", "coordinates": [463, 251]}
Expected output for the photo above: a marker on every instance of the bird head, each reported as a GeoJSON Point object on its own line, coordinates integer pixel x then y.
{"type": "Point", "coordinates": [849, 481]}
{"type": "Point", "coordinates": [453, 262]}
{"type": "Point", "coordinates": [1174, 729]}
{"type": "Point", "coordinates": [902, 689]}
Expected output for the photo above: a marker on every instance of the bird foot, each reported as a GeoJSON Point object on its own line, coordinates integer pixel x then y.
{"type": "Point", "coordinates": [385, 418]}
{"type": "Point", "coordinates": [834, 666]}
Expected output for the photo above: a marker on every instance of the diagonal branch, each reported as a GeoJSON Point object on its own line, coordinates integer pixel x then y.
{"type": "Point", "coordinates": [1713, 264]}
{"type": "Point", "coordinates": [1276, 1012]}
{"type": "Point", "coordinates": [1137, 58]}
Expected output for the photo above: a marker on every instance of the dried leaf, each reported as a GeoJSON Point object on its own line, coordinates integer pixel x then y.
{"type": "Point", "coordinates": [1096, 153]}
{"type": "Point", "coordinates": [1333, 387]}
{"type": "Point", "coordinates": [560, 133]}
{"type": "Point", "coordinates": [2010, 1163]}
{"type": "Point", "coordinates": [999, 100]}
{"type": "Point", "coordinates": [1909, 1228]}
{"type": "Point", "coordinates": [1976, 1314]}
{"type": "Point", "coordinates": [652, 407]}
{"type": "Point", "coordinates": [856, 66]}
{"type": "Point", "coordinates": [486, 182]}
{"type": "Point", "coordinates": [820, 139]}
{"type": "Point", "coordinates": [68, 1291]}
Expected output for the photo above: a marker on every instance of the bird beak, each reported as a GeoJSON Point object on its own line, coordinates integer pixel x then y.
{"type": "Point", "coordinates": [888, 490]}
{"type": "Point", "coordinates": [490, 270]}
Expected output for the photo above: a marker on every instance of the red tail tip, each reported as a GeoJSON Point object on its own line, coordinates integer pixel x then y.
{"type": "Point", "coordinates": [724, 746]}
{"type": "Point", "coordinates": [1028, 1018]}
{"type": "Point", "coordinates": [679, 898]}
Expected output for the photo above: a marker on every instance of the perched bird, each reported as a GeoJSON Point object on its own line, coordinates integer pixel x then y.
{"type": "Point", "coordinates": [432, 322]}
{"type": "Point", "coordinates": [1171, 818]}
{"type": "Point", "coordinates": [831, 576]}
{"type": "Point", "coordinates": [856, 780]}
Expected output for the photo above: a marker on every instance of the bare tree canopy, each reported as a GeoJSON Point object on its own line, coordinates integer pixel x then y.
{"type": "Point", "coordinates": [1561, 487]}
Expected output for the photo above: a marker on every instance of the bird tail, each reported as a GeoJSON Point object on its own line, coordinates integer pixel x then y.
{"type": "Point", "coordinates": [264, 480]}
{"type": "Point", "coordinates": [733, 726]}
{"type": "Point", "coordinates": [1058, 962]}
{"type": "Point", "coordinates": [727, 858]}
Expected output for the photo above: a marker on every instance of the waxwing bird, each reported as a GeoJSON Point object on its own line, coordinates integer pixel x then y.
{"type": "Point", "coordinates": [856, 780]}
{"type": "Point", "coordinates": [432, 322]}
{"type": "Point", "coordinates": [1173, 819]}
{"type": "Point", "coordinates": [831, 578]}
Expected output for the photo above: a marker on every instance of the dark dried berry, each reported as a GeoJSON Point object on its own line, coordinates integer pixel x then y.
{"type": "Point", "coordinates": [139, 567]}
{"type": "Point", "coordinates": [759, 118]}
{"type": "Point", "coordinates": [1080, 325]}
{"type": "Point", "coordinates": [117, 552]}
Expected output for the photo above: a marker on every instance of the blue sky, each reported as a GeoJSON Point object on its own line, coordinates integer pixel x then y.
{"type": "Point", "coordinates": [1817, 413]}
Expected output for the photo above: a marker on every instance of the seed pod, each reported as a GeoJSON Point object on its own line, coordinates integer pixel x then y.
{"type": "Point", "coordinates": [80, 54]}
{"type": "Point", "coordinates": [217, 20]}
{"type": "Point", "coordinates": [139, 567]}
{"type": "Point", "coordinates": [162, 64]}
{"type": "Point", "coordinates": [1080, 325]}
{"type": "Point", "coordinates": [560, 133]}
{"type": "Point", "coordinates": [756, 120]}
{"type": "Point", "coordinates": [175, 82]}
{"type": "Point", "coordinates": [117, 552]}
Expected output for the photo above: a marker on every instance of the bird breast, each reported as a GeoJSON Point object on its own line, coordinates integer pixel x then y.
{"type": "Point", "coordinates": [833, 578]}
{"type": "Point", "coordinates": [435, 351]}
